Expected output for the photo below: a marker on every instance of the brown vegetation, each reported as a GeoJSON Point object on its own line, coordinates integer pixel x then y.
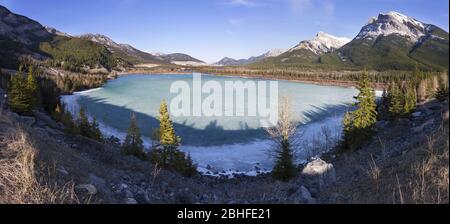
{"type": "Point", "coordinates": [23, 179]}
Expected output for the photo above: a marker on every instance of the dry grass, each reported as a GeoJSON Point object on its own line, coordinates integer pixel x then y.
{"type": "Point", "coordinates": [430, 181]}
{"type": "Point", "coordinates": [419, 175]}
{"type": "Point", "coordinates": [22, 180]}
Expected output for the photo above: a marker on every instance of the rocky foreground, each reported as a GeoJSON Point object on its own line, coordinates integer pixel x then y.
{"type": "Point", "coordinates": [94, 172]}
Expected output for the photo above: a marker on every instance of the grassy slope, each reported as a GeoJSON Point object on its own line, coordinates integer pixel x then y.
{"type": "Point", "coordinates": [397, 167]}
{"type": "Point", "coordinates": [24, 176]}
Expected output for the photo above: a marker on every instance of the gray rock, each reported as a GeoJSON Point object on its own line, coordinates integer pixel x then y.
{"type": "Point", "coordinates": [54, 132]}
{"type": "Point", "coordinates": [423, 126]}
{"type": "Point", "coordinates": [142, 197]}
{"type": "Point", "coordinates": [128, 194]}
{"type": "Point", "coordinates": [98, 182]}
{"type": "Point", "coordinates": [63, 171]}
{"type": "Point", "coordinates": [306, 195]}
{"type": "Point", "coordinates": [28, 121]}
{"type": "Point", "coordinates": [42, 117]}
{"type": "Point", "coordinates": [87, 188]}
{"type": "Point", "coordinates": [404, 122]}
{"type": "Point", "coordinates": [131, 201]}
{"type": "Point", "coordinates": [416, 114]}
{"type": "Point", "coordinates": [320, 173]}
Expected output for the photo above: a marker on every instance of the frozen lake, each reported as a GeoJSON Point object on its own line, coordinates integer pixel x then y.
{"type": "Point", "coordinates": [230, 144]}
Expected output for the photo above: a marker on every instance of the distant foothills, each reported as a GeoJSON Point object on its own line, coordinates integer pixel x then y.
{"type": "Point", "coordinates": [391, 41]}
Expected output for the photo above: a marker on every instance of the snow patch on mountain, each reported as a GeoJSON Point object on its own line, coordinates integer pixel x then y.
{"type": "Point", "coordinates": [274, 53]}
{"type": "Point", "coordinates": [394, 23]}
{"type": "Point", "coordinates": [237, 62]}
{"type": "Point", "coordinates": [323, 43]}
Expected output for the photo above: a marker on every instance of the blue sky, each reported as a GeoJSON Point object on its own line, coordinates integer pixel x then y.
{"type": "Point", "coordinates": [212, 29]}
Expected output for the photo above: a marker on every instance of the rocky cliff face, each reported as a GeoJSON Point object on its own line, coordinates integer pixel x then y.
{"type": "Point", "coordinates": [20, 28]}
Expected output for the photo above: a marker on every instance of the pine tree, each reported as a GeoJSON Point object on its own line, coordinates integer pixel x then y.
{"type": "Point", "coordinates": [410, 100]}
{"type": "Point", "coordinates": [69, 123]}
{"type": "Point", "coordinates": [32, 87]}
{"type": "Point", "coordinates": [284, 135]}
{"type": "Point", "coordinates": [133, 144]}
{"type": "Point", "coordinates": [96, 134]}
{"type": "Point", "coordinates": [359, 124]}
{"type": "Point", "coordinates": [169, 156]}
{"type": "Point", "coordinates": [83, 123]}
{"type": "Point", "coordinates": [442, 90]}
{"type": "Point", "coordinates": [18, 95]}
{"type": "Point", "coordinates": [23, 92]}
{"type": "Point", "coordinates": [442, 93]}
{"type": "Point", "coordinates": [167, 136]}
{"type": "Point", "coordinates": [284, 168]}
{"type": "Point", "coordinates": [395, 101]}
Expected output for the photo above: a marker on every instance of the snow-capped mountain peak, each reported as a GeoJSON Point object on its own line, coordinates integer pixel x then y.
{"type": "Point", "coordinates": [274, 53]}
{"type": "Point", "coordinates": [101, 39]}
{"type": "Point", "coordinates": [322, 43]}
{"type": "Point", "coordinates": [393, 23]}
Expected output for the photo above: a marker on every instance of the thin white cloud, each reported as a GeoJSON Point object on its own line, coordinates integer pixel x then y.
{"type": "Point", "coordinates": [247, 3]}
{"type": "Point", "coordinates": [236, 22]}
{"type": "Point", "coordinates": [328, 8]}
{"type": "Point", "coordinates": [242, 2]}
{"type": "Point", "coordinates": [299, 6]}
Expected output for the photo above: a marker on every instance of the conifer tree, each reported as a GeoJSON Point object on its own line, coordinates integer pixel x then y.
{"type": "Point", "coordinates": [69, 123]}
{"type": "Point", "coordinates": [442, 93]}
{"type": "Point", "coordinates": [284, 168]}
{"type": "Point", "coordinates": [395, 101]}
{"type": "Point", "coordinates": [95, 131]}
{"type": "Point", "coordinates": [83, 123]}
{"type": "Point", "coordinates": [410, 100]}
{"type": "Point", "coordinates": [23, 92]}
{"type": "Point", "coordinates": [169, 156]}
{"type": "Point", "coordinates": [167, 135]}
{"type": "Point", "coordinates": [283, 135]}
{"type": "Point", "coordinates": [133, 144]}
{"type": "Point", "coordinates": [358, 124]}
{"type": "Point", "coordinates": [33, 88]}
{"type": "Point", "coordinates": [18, 95]}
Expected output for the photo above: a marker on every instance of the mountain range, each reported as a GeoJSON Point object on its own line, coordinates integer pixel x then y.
{"type": "Point", "coordinates": [391, 41]}
{"type": "Point", "coordinates": [226, 61]}
{"type": "Point", "coordinates": [20, 36]}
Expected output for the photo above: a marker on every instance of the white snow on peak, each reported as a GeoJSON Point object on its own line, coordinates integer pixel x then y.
{"type": "Point", "coordinates": [322, 43]}
{"type": "Point", "coordinates": [274, 53]}
{"type": "Point", "coordinates": [158, 54]}
{"type": "Point", "coordinates": [101, 39]}
{"type": "Point", "coordinates": [393, 23]}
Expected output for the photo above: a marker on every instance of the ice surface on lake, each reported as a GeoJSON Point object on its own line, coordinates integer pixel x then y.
{"type": "Point", "coordinates": [216, 144]}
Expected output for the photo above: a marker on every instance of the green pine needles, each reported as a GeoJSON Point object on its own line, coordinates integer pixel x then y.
{"type": "Point", "coordinates": [359, 124]}
{"type": "Point", "coordinates": [23, 92]}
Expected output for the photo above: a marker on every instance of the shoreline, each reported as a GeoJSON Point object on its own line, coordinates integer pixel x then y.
{"type": "Point", "coordinates": [345, 84]}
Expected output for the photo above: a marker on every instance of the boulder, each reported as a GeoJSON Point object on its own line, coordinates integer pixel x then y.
{"type": "Point", "coordinates": [320, 173]}
{"type": "Point", "coordinates": [404, 122]}
{"type": "Point", "coordinates": [416, 114]}
{"type": "Point", "coordinates": [63, 171]}
{"type": "Point", "coordinates": [98, 182]}
{"type": "Point", "coordinates": [44, 118]}
{"type": "Point", "coordinates": [28, 121]}
{"type": "Point", "coordinates": [131, 201]}
{"type": "Point", "coordinates": [424, 125]}
{"type": "Point", "coordinates": [306, 196]}
{"type": "Point", "coordinates": [87, 188]}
